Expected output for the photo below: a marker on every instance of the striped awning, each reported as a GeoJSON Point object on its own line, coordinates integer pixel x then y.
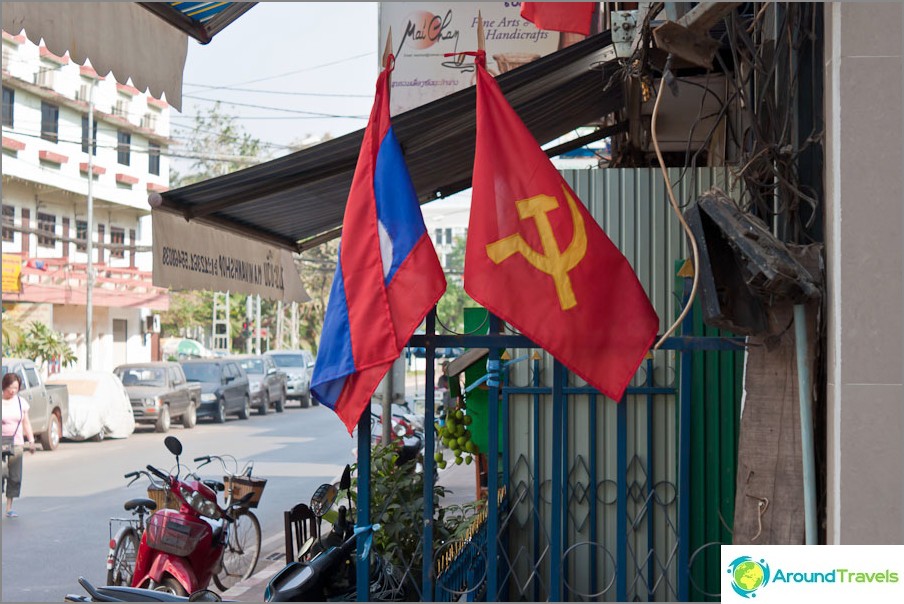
{"type": "Point", "coordinates": [200, 20]}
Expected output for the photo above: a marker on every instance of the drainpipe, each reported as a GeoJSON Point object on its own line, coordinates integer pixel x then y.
{"type": "Point", "coordinates": [804, 389]}
{"type": "Point", "coordinates": [89, 247]}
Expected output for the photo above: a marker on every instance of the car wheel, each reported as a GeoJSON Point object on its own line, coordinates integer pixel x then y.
{"type": "Point", "coordinates": [163, 421]}
{"type": "Point", "coordinates": [262, 410]}
{"type": "Point", "coordinates": [99, 437]}
{"type": "Point", "coordinates": [281, 402]}
{"type": "Point", "coordinates": [245, 413]}
{"type": "Point", "coordinates": [220, 417]}
{"type": "Point", "coordinates": [305, 400]}
{"type": "Point", "coordinates": [50, 439]}
{"type": "Point", "coordinates": [190, 417]}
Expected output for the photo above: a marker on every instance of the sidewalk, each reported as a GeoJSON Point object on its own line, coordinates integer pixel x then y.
{"type": "Point", "coordinates": [459, 479]}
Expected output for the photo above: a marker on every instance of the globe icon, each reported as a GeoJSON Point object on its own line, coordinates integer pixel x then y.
{"type": "Point", "coordinates": [748, 575]}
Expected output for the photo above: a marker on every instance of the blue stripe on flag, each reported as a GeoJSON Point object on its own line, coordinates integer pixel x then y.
{"type": "Point", "coordinates": [335, 360]}
{"type": "Point", "coordinates": [397, 206]}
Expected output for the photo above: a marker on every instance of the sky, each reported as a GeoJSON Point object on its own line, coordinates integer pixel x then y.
{"type": "Point", "coordinates": [287, 71]}
{"type": "Point", "coordinates": [283, 68]}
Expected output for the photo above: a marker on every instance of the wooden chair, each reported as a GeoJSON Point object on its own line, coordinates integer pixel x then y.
{"type": "Point", "coordinates": [300, 523]}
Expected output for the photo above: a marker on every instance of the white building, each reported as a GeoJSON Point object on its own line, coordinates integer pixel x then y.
{"type": "Point", "coordinates": [45, 200]}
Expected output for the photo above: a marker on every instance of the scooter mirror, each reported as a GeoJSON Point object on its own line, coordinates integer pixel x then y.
{"type": "Point", "coordinates": [323, 499]}
{"type": "Point", "coordinates": [305, 549]}
{"type": "Point", "coordinates": [173, 445]}
{"type": "Point", "coordinates": [204, 595]}
{"type": "Point", "coordinates": [345, 482]}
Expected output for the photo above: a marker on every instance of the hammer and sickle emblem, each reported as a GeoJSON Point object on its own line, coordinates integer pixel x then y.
{"type": "Point", "coordinates": [552, 261]}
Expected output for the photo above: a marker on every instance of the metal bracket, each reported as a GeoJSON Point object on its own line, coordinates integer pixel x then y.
{"type": "Point", "coordinates": [624, 29]}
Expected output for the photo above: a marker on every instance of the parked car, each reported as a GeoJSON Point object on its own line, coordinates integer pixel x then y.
{"type": "Point", "coordinates": [99, 406]}
{"type": "Point", "coordinates": [298, 366]}
{"type": "Point", "coordinates": [266, 382]}
{"type": "Point", "coordinates": [224, 387]}
{"type": "Point", "coordinates": [159, 394]}
{"type": "Point", "coordinates": [49, 403]}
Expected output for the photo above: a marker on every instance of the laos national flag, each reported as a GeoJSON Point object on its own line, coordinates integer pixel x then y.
{"type": "Point", "coordinates": [388, 276]}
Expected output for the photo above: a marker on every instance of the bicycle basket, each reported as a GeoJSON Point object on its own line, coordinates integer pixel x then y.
{"type": "Point", "coordinates": [163, 498]}
{"type": "Point", "coordinates": [173, 535]}
{"type": "Point", "coordinates": [239, 486]}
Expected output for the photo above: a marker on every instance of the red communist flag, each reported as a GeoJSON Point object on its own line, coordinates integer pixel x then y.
{"type": "Point", "coordinates": [573, 17]}
{"type": "Point", "coordinates": [537, 259]}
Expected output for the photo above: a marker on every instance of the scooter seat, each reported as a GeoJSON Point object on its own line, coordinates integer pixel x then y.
{"type": "Point", "coordinates": [143, 502]}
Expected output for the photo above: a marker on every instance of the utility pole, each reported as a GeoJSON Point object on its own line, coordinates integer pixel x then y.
{"type": "Point", "coordinates": [258, 326]}
{"type": "Point", "coordinates": [249, 318]}
{"type": "Point", "coordinates": [89, 294]}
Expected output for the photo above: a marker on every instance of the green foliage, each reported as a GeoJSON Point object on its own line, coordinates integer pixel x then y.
{"type": "Point", "coordinates": [41, 344]}
{"type": "Point", "coordinates": [317, 266]}
{"type": "Point", "coordinates": [398, 492]}
{"type": "Point", "coordinates": [450, 308]}
{"type": "Point", "coordinates": [217, 145]}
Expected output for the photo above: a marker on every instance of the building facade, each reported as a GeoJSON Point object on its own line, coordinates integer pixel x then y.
{"type": "Point", "coordinates": [46, 144]}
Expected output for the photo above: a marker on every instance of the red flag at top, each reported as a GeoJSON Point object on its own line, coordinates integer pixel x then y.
{"type": "Point", "coordinates": [572, 17]}
{"type": "Point", "coordinates": [537, 259]}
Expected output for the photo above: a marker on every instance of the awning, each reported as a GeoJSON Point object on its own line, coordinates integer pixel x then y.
{"type": "Point", "coordinates": [130, 40]}
{"type": "Point", "coordinates": [298, 201]}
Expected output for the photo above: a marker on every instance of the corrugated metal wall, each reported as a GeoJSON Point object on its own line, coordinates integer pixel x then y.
{"type": "Point", "coordinates": [621, 471]}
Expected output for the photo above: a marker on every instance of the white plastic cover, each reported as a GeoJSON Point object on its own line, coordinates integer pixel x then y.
{"type": "Point", "coordinates": [97, 403]}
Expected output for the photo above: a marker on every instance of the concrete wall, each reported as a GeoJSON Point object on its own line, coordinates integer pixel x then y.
{"type": "Point", "coordinates": [863, 76]}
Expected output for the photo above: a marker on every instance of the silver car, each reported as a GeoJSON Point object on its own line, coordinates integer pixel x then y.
{"type": "Point", "coordinates": [298, 366]}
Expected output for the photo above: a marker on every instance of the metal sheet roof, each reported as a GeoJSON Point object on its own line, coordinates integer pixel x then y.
{"type": "Point", "coordinates": [298, 200]}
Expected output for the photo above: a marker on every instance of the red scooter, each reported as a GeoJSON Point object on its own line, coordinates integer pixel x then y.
{"type": "Point", "coordinates": [181, 550]}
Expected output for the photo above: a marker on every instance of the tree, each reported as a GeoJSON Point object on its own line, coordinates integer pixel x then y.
{"type": "Point", "coordinates": [317, 266]}
{"type": "Point", "coordinates": [450, 308]}
{"type": "Point", "coordinates": [217, 145]}
{"type": "Point", "coordinates": [42, 345]}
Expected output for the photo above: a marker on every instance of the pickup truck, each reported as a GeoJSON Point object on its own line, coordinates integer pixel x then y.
{"type": "Point", "coordinates": [159, 393]}
{"type": "Point", "coordinates": [48, 403]}
{"type": "Point", "coordinates": [266, 382]}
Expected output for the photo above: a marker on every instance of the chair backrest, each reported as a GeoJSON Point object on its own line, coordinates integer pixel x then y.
{"type": "Point", "coordinates": [300, 523]}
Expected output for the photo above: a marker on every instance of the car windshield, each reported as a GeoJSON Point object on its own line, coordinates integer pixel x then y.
{"type": "Point", "coordinates": [201, 372]}
{"type": "Point", "coordinates": [142, 376]}
{"type": "Point", "coordinates": [252, 365]}
{"type": "Point", "coordinates": [288, 360]}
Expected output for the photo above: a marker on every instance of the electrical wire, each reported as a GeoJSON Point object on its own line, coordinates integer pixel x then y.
{"type": "Point", "coordinates": [674, 202]}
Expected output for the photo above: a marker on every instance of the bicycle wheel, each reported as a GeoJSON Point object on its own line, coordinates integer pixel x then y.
{"type": "Point", "coordinates": [243, 548]}
{"type": "Point", "coordinates": [121, 565]}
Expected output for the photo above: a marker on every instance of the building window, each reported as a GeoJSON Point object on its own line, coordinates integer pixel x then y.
{"type": "Point", "coordinates": [439, 236]}
{"type": "Point", "coordinates": [85, 135]}
{"type": "Point", "coordinates": [9, 221]}
{"type": "Point", "coordinates": [154, 158]}
{"type": "Point", "coordinates": [81, 233]}
{"type": "Point", "coordinates": [123, 147]}
{"type": "Point", "coordinates": [121, 108]}
{"type": "Point", "coordinates": [44, 77]}
{"type": "Point", "coordinates": [9, 98]}
{"type": "Point", "coordinates": [46, 229]}
{"type": "Point", "coordinates": [50, 121]}
{"type": "Point", "coordinates": [117, 242]}
{"type": "Point", "coordinates": [448, 236]}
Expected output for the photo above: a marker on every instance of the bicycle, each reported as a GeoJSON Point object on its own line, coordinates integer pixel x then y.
{"type": "Point", "coordinates": [124, 545]}
{"type": "Point", "coordinates": [243, 541]}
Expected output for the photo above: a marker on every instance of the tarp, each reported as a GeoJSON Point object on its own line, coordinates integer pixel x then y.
{"type": "Point", "coordinates": [118, 37]}
{"type": "Point", "coordinates": [98, 403]}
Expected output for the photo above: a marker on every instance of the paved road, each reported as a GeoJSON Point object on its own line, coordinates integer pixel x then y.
{"type": "Point", "coordinates": [69, 495]}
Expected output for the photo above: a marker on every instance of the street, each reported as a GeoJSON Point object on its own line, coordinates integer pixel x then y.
{"type": "Point", "coordinates": [69, 495]}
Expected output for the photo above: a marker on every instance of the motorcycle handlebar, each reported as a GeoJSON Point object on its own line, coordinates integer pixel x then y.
{"type": "Point", "coordinates": [158, 473]}
{"type": "Point", "coordinates": [204, 458]}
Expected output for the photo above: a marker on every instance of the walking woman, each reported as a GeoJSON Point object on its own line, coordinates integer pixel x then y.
{"type": "Point", "coordinates": [16, 433]}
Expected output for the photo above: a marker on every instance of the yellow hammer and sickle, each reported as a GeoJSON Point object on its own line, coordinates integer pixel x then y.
{"type": "Point", "coordinates": [552, 261]}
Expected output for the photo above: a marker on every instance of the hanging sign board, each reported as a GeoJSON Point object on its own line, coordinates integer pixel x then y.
{"type": "Point", "coordinates": [422, 32]}
{"type": "Point", "coordinates": [189, 255]}
{"type": "Point", "coordinates": [12, 270]}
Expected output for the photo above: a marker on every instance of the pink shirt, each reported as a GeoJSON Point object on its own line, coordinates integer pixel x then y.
{"type": "Point", "coordinates": [11, 417]}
